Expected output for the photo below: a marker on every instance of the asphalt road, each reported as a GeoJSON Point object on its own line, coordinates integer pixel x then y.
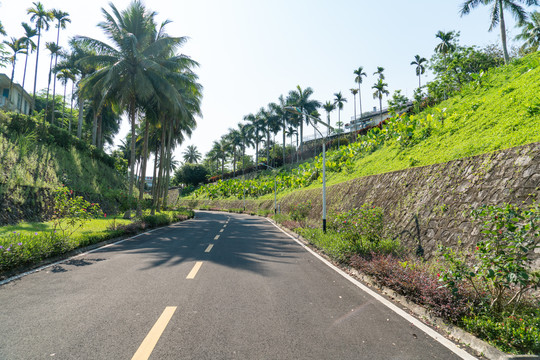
{"type": "Point", "coordinates": [220, 286]}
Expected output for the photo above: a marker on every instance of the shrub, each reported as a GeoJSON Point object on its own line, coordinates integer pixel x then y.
{"type": "Point", "coordinates": [300, 211]}
{"type": "Point", "coordinates": [416, 284]}
{"type": "Point", "coordinates": [359, 225]}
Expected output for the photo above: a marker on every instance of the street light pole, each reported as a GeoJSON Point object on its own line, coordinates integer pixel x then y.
{"type": "Point", "coordinates": [296, 110]}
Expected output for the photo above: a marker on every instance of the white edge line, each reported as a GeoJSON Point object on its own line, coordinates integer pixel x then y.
{"type": "Point", "coordinates": [429, 331]}
{"type": "Point", "coordinates": [17, 277]}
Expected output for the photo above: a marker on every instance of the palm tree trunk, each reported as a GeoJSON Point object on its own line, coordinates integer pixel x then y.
{"type": "Point", "coordinates": [35, 75]}
{"type": "Point", "coordinates": [94, 128]}
{"type": "Point", "coordinates": [267, 145]}
{"type": "Point", "coordinates": [161, 165]}
{"type": "Point", "coordinates": [284, 140]}
{"type": "Point", "coordinates": [24, 77]}
{"type": "Point", "coordinates": [127, 214]}
{"type": "Point", "coordinates": [48, 88]}
{"type": "Point", "coordinates": [301, 135]}
{"type": "Point", "coordinates": [71, 106]}
{"type": "Point", "coordinates": [355, 122]}
{"type": "Point", "coordinates": [256, 151]}
{"type": "Point", "coordinates": [81, 113]}
{"type": "Point", "coordinates": [339, 122]}
{"type": "Point", "coordinates": [64, 103]}
{"type": "Point", "coordinates": [143, 168]}
{"type": "Point", "coordinates": [167, 169]}
{"type": "Point", "coordinates": [380, 108]}
{"type": "Point", "coordinates": [99, 134]}
{"type": "Point", "coordinates": [503, 32]}
{"type": "Point", "coordinates": [11, 80]}
{"type": "Point", "coordinates": [55, 64]}
{"type": "Point", "coordinates": [360, 99]}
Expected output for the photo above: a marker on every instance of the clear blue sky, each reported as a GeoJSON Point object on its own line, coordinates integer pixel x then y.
{"type": "Point", "coordinates": [251, 52]}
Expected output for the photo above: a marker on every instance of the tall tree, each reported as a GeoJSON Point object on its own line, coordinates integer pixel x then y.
{"type": "Point", "coordinates": [16, 47]}
{"type": "Point", "coordinates": [53, 50]}
{"type": "Point", "coordinates": [420, 68]}
{"type": "Point", "coordinates": [63, 19]}
{"type": "Point", "coordinates": [354, 92]}
{"type": "Point", "coordinates": [29, 46]}
{"type": "Point", "coordinates": [41, 17]}
{"type": "Point", "coordinates": [339, 100]}
{"type": "Point", "coordinates": [497, 15]}
{"type": "Point", "coordinates": [530, 33]}
{"type": "Point", "coordinates": [328, 107]}
{"type": "Point", "coordinates": [301, 98]}
{"type": "Point", "coordinates": [358, 79]}
{"type": "Point", "coordinates": [380, 90]}
{"type": "Point", "coordinates": [64, 76]}
{"type": "Point", "coordinates": [246, 133]}
{"type": "Point", "coordinates": [447, 44]}
{"type": "Point", "coordinates": [134, 71]}
{"type": "Point", "coordinates": [282, 117]}
{"type": "Point", "coordinates": [379, 72]}
{"type": "Point", "coordinates": [191, 155]}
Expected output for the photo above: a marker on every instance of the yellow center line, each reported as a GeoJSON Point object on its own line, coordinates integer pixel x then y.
{"type": "Point", "coordinates": [217, 237]}
{"type": "Point", "coordinates": [225, 225]}
{"type": "Point", "coordinates": [221, 230]}
{"type": "Point", "coordinates": [209, 248]}
{"type": "Point", "coordinates": [194, 271]}
{"type": "Point", "coordinates": [150, 341]}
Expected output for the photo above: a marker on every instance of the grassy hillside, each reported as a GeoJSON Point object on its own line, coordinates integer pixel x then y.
{"type": "Point", "coordinates": [499, 110]}
{"type": "Point", "coordinates": [36, 158]}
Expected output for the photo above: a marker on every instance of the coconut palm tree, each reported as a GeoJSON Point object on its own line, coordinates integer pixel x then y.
{"type": "Point", "coordinates": [420, 68]}
{"type": "Point", "coordinates": [290, 131]}
{"type": "Point", "coordinates": [339, 100]}
{"type": "Point", "coordinates": [257, 129]}
{"type": "Point", "coordinates": [329, 107]}
{"type": "Point", "coordinates": [246, 133]}
{"type": "Point", "coordinates": [2, 30]}
{"type": "Point", "coordinates": [234, 139]}
{"type": "Point", "coordinates": [135, 69]}
{"type": "Point", "coordinates": [380, 90]}
{"type": "Point", "coordinates": [379, 72]}
{"type": "Point", "coordinates": [54, 50]}
{"type": "Point", "coordinates": [358, 79]}
{"type": "Point", "coordinates": [530, 33]}
{"type": "Point", "coordinates": [41, 17]}
{"type": "Point", "coordinates": [16, 47]}
{"type": "Point", "coordinates": [29, 46]}
{"type": "Point", "coordinates": [282, 117]}
{"type": "Point", "coordinates": [497, 15]}
{"type": "Point", "coordinates": [301, 99]}
{"type": "Point", "coordinates": [64, 76]}
{"type": "Point", "coordinates": [191, 155]}
{"type": "Point", "coordinates": [446, 45]}
{"type": "Point", "coordinates": [63, 19]}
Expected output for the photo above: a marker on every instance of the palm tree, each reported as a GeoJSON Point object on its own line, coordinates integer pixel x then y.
{"type": "Point", "coordinates": [63, 19]}
{"type": "Point", "coordinates": [420, 68]}
{"type": "Point", "coordinates": [257, 127]}
{"type": "Point", "coordinates": [29, 46]}
{"type": "Point", "coordinates": [446, 45]}
{"type": "Point", "coordinates": [282, 116]}
{"type": "Point", "coordinates": [192, 155]}
{"type": "Point", "coordinates": [338, 101]}
{"type": "Point", "coordinates": [354, 92]}
{"type": "Point", "coordinates": [246, 133]}
{"type": "Point", "coordinates": [497, 15]}
{"type": "Point", "coordinates": [379, 72]}
{"type": "Point", "coordinates": [301, 99]}
{"type": "Point", "coordinates": [16, 47]}
{"type": "Point", "coordinates": [530, 33]}
{"type": "Point", "coordinates": [234, 139]}
{"type": "Point", "coordinates": [329, 107]}
{"type": "Point", "coordinates": [54, 50]}
{"type": "Point", "coordinates": [358, 79]}
{"type": "Point", "coordinates": [136, 69]}
{"type": "Point", "coordinates": [380, 90]}
{"type": "Point", "coordinates": [64, 76]}
{"type": "Point", "coordinates": [41, 17]}
{"type": "Point", "coordinates": [291, 130]}
{"type": "Point", "coordinates": [2, 30]}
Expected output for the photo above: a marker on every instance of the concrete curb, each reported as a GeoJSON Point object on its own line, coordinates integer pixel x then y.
{"type": "Point", "coordinates": [453, 332]}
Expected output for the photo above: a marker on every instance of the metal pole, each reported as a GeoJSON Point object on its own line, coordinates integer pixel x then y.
{"type": "Point", "coordinates": [324, 187]}
{"type": "Point", "coordinates": [275, 196]}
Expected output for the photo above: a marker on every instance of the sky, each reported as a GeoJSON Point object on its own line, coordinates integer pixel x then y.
{"type": "Point", "coordinates": [252, 51]}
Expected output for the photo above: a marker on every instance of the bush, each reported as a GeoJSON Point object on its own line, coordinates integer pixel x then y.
{"type": "Point", "coordinates": [300, 211]}
{"type": "Point", "coordinates": [359, 225]}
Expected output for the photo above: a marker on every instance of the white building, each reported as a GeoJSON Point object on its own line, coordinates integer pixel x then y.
{"type": "Point", "coordinates": [19, 101]}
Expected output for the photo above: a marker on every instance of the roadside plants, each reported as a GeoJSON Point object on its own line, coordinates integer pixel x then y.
{"type": "Point", "coordinates": [500, 264]}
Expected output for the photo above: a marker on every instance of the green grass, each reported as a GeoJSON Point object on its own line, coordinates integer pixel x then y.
{"type": "Point", "coordinates": [502, 113]}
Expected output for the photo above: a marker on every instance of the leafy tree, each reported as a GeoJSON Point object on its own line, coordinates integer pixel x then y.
{"type": "Point", "coordinates": [447, 44]}
{"type": "Point", "coordinates": [398, 102]}
{"type": "Point", "coordinates": [41, 17]}
{"type": "Point", "coordinates": [29, 46]}
{"type": "Point", "coordinates": [190, 174]}
{"type": "Point", "coordinates": [328, 107]}
{"type": "Point", "coordinates": [16, 47]}
{"type": "Point", "coordinates": [191, 155]}
{"type": "Point", "coordinates": [301, 98]}
{"type": "Point", "coordinates": [379, 72]}
{"type": "Point", "coordinates": [497, 15]}
{"type": "Point", "coordinates": [420, 68]}
{"type": "Point", "coordinates": [339, 100]}
{"type": "Point", "coordinates": [358, 79]}
{"type": "Point", "coordinates": [380, 90]}
{"type": "Point", "coordinates": [63, 19]}
{"type": "Point", "coordinates": [530, 33]}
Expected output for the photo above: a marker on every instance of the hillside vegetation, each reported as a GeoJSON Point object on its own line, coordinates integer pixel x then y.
{"type": "Point", "coordinates": [499, 109]}
{"type": "Point", "coordinates": [36, 158]}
